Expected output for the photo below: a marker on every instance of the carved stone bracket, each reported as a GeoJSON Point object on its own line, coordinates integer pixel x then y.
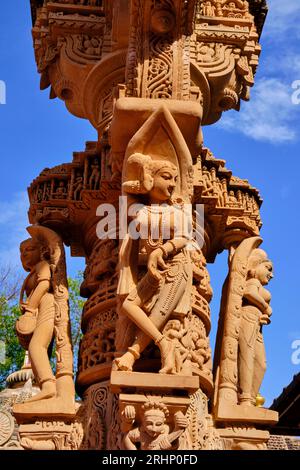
{"type": "Point", "coordinates": [70, 38]}
{"type": "Point", "coordinates": [176, 50]}
{"type": "Point", "coordinates": [187, 424]}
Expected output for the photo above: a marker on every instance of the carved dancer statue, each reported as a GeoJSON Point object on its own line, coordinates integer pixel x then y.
{"type": "Point", "coordinates": [245, 308]}
{"type": "Point", "coordinates": [256, 312]}
{"type": "Point", "coordinates": [208, 9]}
{"type": "Point", "coordinates": [46, 313]}
{"type": "Point", "coordinates": [78, 186]}
{"type": "Point", "coordinates": [154, 433]}
{"type": "Point", "coordinates": [165, 286]}
{"type": "Point", "coordinates": [95, 175]}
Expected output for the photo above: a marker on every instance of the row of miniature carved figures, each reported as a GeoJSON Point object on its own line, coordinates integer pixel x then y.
{"type": "Point", "coordinates": [227, 8]}
{"type": "Point", "coordinates": [54, 188]}
{"type": "Point", "coordinates": [92, 3]}
{"type": "Point", "coordinates": [90, 177]}
{"type": "Point", "coordinates": [215, 187]}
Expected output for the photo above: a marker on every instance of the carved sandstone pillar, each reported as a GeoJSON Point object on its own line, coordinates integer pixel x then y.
{"type": "Point", "coordinates": [148, 75]}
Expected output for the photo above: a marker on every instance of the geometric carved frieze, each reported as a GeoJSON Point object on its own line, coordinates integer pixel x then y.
{"type": "Point", "coordinates": [192, 51]}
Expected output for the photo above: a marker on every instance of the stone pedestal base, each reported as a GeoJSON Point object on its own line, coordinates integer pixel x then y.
{"type": "Point", "coordinates": [52, 433]}
{"type": "Point", "coordinates": [232, 413]}
{"type": "Point", "coordinates": [244, 438]}
{"type": "Point", "coordinates": [159, 382]}
{"type": "Point", "coordinates": [237, 425]}
{"type": "Point", "coordinates": [55, 408]}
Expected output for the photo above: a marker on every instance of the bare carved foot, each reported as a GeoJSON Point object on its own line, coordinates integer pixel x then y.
{"type": "Point", "coordinates": [167, 357]}
{"type": "Point", "coordinates": [124, 362]}
{"type": "Point", "coordinates": [48, 390]}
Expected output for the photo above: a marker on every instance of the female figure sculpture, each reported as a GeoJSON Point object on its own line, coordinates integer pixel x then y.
{"type": "Point", "coordinates": [164, 288]}
{"type": "Point", "coordinates": [240, 361]}
{"type": "Point", "coordinates": [46, 313]}
{"type": "Point", "coordinates": [256, 312]}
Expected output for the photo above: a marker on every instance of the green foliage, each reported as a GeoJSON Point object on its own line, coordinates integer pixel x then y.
{"type": "Point", "coordinates": [76, 306]}
{"type": "Point", "coordinates": [14, 353]}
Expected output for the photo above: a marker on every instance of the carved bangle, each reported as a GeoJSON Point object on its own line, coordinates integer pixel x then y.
{"type": "Point", "coordinates": [165, 253]}
{"type": "Point", "coordinates": [30, 310]}
{"type": "Point", "coordinates": [174, 251]}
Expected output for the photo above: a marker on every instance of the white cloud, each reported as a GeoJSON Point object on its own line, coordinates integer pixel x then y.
{"type": "Point", "coordinates": [270, 115]}
{"type": "Point", "coordinates": [294, 335]}
{"type": "Point", "coordinates": [292, 65]}
{"type": "Point", "coordinates": [13, 223]}
{"type": "Point", "coordinates": [283, 17]}
{"type": "Point", "coordinates": [289, 68]}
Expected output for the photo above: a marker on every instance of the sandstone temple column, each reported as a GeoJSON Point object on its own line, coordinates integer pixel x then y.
{"type": "Point", "coordinates": [148, 75]}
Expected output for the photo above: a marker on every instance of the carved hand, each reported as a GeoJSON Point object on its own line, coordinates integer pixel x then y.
{"type": "Point", "coordinates": [154, 262]}
{"type": "Point", "coordinates": [181, 421]}
{"type": "Point", "coordinates": [25, 308]}
{"type": "Point", "coordinates": [129, 413]}
{"type": "Point", "coordinates": [164, 443]}
{"type": "Point", "coordinates": [265, 317]}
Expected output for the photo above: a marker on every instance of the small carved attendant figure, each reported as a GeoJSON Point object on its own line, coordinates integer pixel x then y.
{"type": "Point", "coordinates": [209, 188]}
{"type": "Point", "coordinates": [47, 191]}
{"type": "Point", "coordinates": [208, 9]}
{"type": "Point", "coordinates": [78, 186]}
{"type": "Point", "coordinates": [61, 192]}
{"type": "Point", "coordinates": [95, 175]}
{"type": "Point", "coordinates": [256, 312]}
{"type": "Point", "coordinates": [232, 200]}
{"type": "Point", "coordinates": [175, 331]}
{"type": "Point", "coordinates": [39, 194]}
{"type": "Point", "coordinates": [154, 433]}
{"type": "Point", "coordinates": [161, 253]}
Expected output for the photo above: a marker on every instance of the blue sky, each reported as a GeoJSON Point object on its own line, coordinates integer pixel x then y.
{"type": "Point", "coordinates": [261, 143]}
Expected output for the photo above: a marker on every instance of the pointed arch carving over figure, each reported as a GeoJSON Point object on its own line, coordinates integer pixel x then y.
{"type": "Point", "coordinates": [161, 138]}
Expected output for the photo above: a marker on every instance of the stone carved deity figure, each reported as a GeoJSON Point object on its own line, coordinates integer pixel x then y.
{"type": "Point", "coordinates": [95, 175]}
{"type": "Point", "coordinates": [175, 331]}
{"type": "Point", "coordinates": [78, 186]}
{"type": "Point", "coordinates": [164, 288]}
{"type": "Point", "coordinates": [256, 312]}
{"type": "Point", "coordinates": [45, 314]}
{"type": "Point", "coordinates": [240, 362]}
{"type": "Point", "coordinates": [153, 433]}
{"type": "Point", "coordinates": [208, 9]}
{"type": "Point", "coordinates": [61, 192]}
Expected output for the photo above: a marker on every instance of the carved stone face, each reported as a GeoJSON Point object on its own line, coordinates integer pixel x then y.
{"type": "Point", "coordinates": [174, 324]}
{"type": "Point", "coordinates": [30, 254]}
{"type": "Point", "coordinates": [264, 272]}
{"type": "Point", "coordinates": [164, 183]}
{"type": "Point", "coordinates": [153, 422]}
{"type": "Point", "coordinates": [162, 22]}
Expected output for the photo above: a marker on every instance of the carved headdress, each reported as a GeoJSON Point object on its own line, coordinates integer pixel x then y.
{"type": "Point", "coordinates": [53, 250]}
{"type": "Point", "coordinates": [140, 169]}
{"type": "Point", "coordinates": [158, 141]}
